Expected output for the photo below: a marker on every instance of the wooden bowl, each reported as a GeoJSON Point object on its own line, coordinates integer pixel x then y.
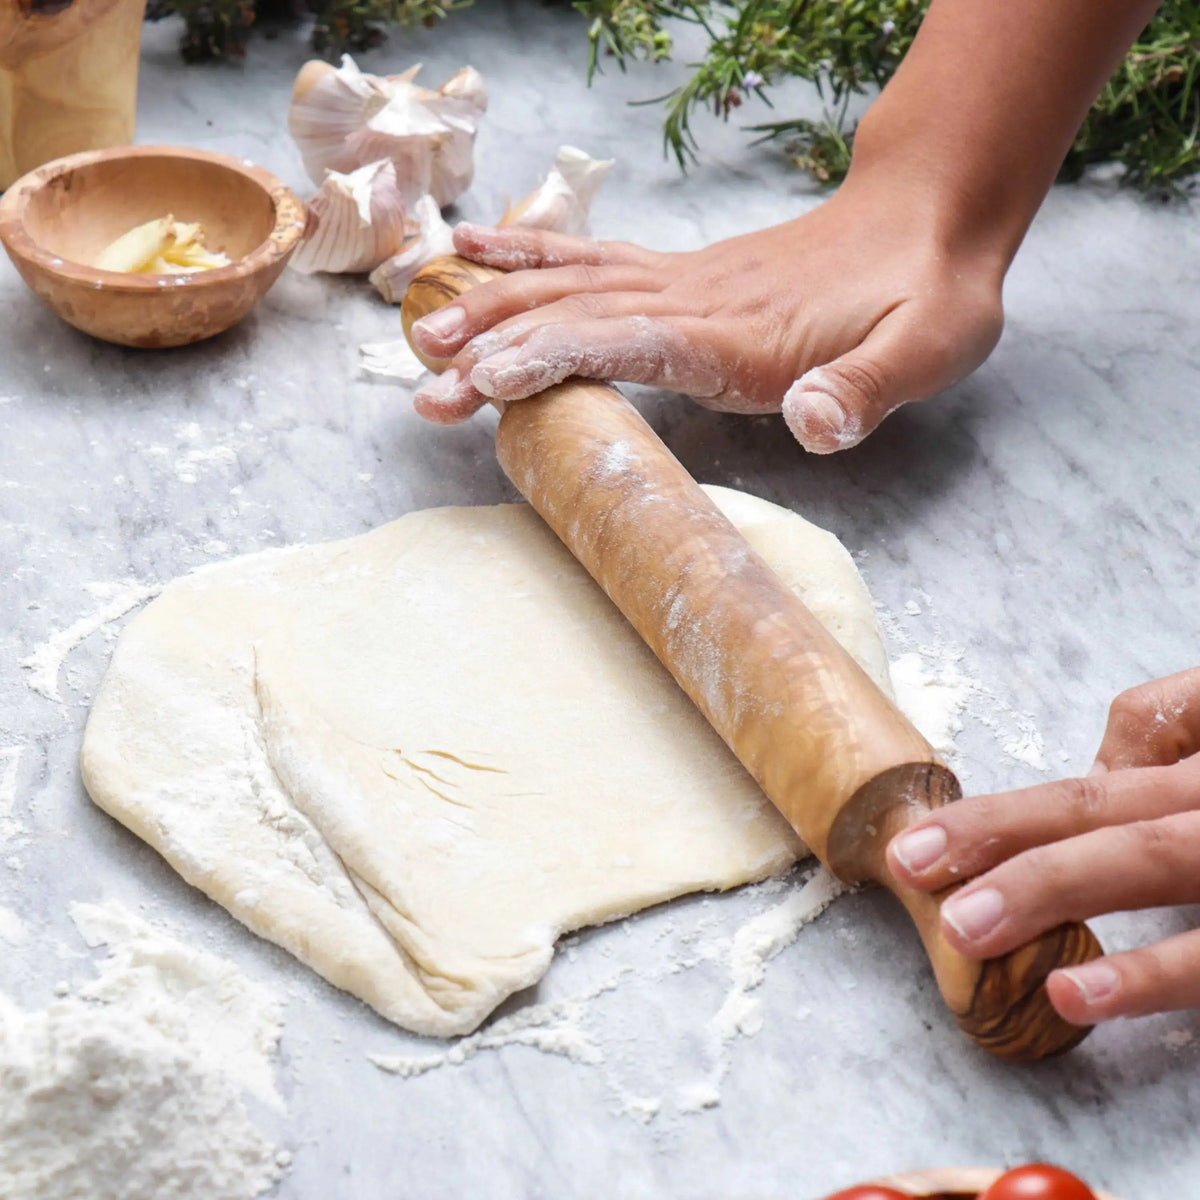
{"type": "Point", "coordinates": [951, 1183]}
{"type": "Point", "coordinates": [58, 218]}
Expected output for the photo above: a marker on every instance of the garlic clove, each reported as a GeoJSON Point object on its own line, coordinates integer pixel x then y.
{"type": "Point", "coordinates": [342, 119]}
{"type": "Point", "coordinates": [433, 239]}
{"type": "Point", "coordinates": [356, 221]}
{"type": "Point", "coordinates": [562, 203]}
{"type": "Point", "coordinates": [136, 250]}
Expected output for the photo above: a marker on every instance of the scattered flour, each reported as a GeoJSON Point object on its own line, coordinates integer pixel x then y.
{"type": "Point", "coordinates": [754, 945]}
{"type": "Point", "coordinates": [1177, 1039]}
{"type": "Point", "coordinates": [10, 762]}
{"type": "Point", "coordinates": [933, 701]}
{"type": "Point", "coordinates": [125, 1091]}
{"type": "Point", "coordinates": [553, 1028]}
{"type": "Point", "coordinates": [12, 928]}
{"type": "Point", "coordinates": [47, 659]}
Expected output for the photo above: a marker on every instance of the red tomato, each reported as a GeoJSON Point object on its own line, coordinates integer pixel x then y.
{"type": "Point", "coordinates": [1038, 1181]}
{"type": "Point", "coordinates": [869, 1191]}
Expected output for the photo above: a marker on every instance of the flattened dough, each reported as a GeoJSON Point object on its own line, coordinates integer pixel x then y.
{"type": "Point", "coordinates": [415, 757]}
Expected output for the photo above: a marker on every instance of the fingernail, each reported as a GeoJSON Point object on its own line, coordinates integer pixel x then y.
{"type": "Point", "coordinates": [919, 849]}
{"type": "Point", "coordinates": [817, 420]}
{"type": "Point", "coordinates": [1095, 980]}
{"type": "Point", "coordinates": [444, 323]}
{"type": "Point", "coordinates": [438, 388]}
{"type": "Point", "coordinates": [485, 373]}
{"type": "Point", "coordinates": [974, 915]}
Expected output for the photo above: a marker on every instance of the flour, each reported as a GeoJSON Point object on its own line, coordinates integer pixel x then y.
{"type": "Point", "coordinates": [12, 928]}
{"type": "Point", "coordinates": [47, 659]}
{"type": "Point", "coordinates": [126, 1091]}
{"type": "Point", "coordinates": [186, 993]}
{"type": "Point", "coordinates": [10, 762]}
{"type": "Point", "coordinates": [933, 701]}
{"type": "Point", "coordinates": [553, 1028]}
{"type": "Point", "coordinates": [753, 946]}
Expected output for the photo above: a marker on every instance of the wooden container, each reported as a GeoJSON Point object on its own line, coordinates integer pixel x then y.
{"type": "Point", "coordinates": [68, 78]}
{"type": "Point", "coordinates": [57, 219]}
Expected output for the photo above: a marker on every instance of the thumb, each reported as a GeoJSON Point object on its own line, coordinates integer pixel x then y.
{"type": "Point", "coordinates": [908, 356]}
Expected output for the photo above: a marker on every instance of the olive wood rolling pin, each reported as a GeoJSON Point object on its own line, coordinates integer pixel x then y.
{"type": "Point", "coordinates": [841, 763]}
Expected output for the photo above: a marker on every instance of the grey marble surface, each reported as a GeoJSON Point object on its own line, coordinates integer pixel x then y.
{"type": "Point", "coordinates": [1040, 519]}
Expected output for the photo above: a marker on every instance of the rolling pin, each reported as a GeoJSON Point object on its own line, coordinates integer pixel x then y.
{"type": "Point", "coordinates": [828, 748]}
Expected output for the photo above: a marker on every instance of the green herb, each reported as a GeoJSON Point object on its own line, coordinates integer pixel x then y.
{"type": "Point", "coordinates": [1147, 118]}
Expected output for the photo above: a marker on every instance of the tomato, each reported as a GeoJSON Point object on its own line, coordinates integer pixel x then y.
{"type": "Point", "coordinates": [869, 1191]}
{"type": "Point", "coordinates": [1038, 1181]}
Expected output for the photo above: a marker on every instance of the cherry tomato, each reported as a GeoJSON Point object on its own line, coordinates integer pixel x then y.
{"type": "Point", "coordinates": [869, 1191]}
{"type": "Point", "coordinates": [1038, 1181]}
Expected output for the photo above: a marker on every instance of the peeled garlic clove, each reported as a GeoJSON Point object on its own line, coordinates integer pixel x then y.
{"type": "Point", "coordinates": [355, 221]}
{"type": "Point", "coordinates": [136, 250]}
{"type": "Point", "coordinates": [562, 203]}
{"type": "Point", "coordinates": [433, 239]}
{"type": "Point", "coordinates": [342, 119]}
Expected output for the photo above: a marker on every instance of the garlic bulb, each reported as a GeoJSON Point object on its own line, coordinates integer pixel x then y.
{"type": "Point", "coordinates": [432, 239]}
{"type": "Point", "coordinates": [356, 221]}
{"type": "Point", "coordinates": [342, 119]}
{"type": "Point", "coordinates": [562, 203]}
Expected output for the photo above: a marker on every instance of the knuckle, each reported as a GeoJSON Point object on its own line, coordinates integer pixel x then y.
{"type": "Point", "coordinates": [862, 378]}
{"type": "Point", "coordinates": [584, 306]}
{"type": "Point", "coordinates": [1135, 708]}
{"type": "Point", "coordinates": [1155, 843]}
{"type": "Point", "coordinates": [1085, 802]}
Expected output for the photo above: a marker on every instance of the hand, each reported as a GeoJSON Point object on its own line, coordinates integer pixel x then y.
{"type": "Point", "coordinates": [1125, 837]}
{"type": "Point", "coordinates": [863, 304]}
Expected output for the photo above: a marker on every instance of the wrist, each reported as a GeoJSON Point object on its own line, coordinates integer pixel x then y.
{"type": "Point", "coordinates": [961, 200]}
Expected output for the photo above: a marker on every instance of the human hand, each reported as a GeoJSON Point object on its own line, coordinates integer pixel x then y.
{"type": "Point", "coordinates": [1125, 837]}
{"type": "Point", "coordinates": [838, 317]}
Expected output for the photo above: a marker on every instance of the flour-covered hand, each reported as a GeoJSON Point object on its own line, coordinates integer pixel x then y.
{"type": "Point", "coordinates": [836, 318]}
{"type": "Point", "coordinates": [1125, 837]}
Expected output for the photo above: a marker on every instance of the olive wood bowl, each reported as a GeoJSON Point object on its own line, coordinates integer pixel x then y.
{"type": "Point", "coordinates": [951, 1183]}
{"type": "Point", "coordinates": [58, 218]}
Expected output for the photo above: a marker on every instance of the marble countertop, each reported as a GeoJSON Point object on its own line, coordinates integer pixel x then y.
{"type": "Point", "coordinates": [1034, 529]}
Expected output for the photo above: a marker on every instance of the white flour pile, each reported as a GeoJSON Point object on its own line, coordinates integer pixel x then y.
{"type": "Point", "coordinates": [130, 1090]}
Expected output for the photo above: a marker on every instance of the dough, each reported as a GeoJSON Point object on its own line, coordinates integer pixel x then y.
{"type": "Point", "coordinates": [415, 757]}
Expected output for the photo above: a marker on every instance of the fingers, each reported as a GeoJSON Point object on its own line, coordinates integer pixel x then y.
{"type": "Point", "coordinates": [1163, 977]}
{"type": "Point", "coordinates": [911, 354]}
{"type": "Point", "coordinates": [519, 249]}
{"type": "Point", "coordinates": [448, 399]}
{"type": "Point", "coordinates": [636, 349]}
{"type": "Point", "coordinates": [1156, 724]}
{"type": "Point", "coordinates": [974, 835]}
{"type": "Point", "coordinates": [444, 332]}
{"type": "Point", "coordinates": [1141, 865]}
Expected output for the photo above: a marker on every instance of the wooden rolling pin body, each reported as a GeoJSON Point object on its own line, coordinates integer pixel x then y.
{"type": "Point", "coordinates": [836, 757]}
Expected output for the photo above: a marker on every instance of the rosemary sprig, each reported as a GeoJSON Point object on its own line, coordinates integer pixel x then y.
{"type": "Point", "coordinates": [1147, 118]}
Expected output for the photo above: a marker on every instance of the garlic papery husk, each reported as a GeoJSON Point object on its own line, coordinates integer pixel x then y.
{"type": "Point", "coordinates": [342, 118]}
{"type": "Point", "coordinates": [355, 221]}
{"type": "Point", "coordinates": [563, 202]}
{"type": "Point", "coordinates": [392, 360]}
{"type": "Point", "coordinates": [433, 239]}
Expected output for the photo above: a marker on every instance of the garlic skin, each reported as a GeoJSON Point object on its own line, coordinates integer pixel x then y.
{"type": "Point", "coordinates": [356, 221]}
{"type": "Point", "coordinates": [433, 238]}
{"type": "Point", "coordinates": [391, 360]}
{"type": "Point", "coordinates": [342, 119]}
{"type": "Point", "coordinates": [562, 203]}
